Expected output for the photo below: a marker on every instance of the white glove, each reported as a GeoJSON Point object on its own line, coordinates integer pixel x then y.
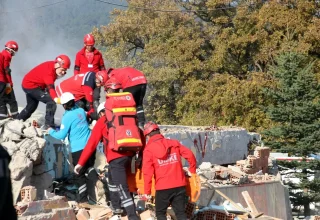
{"type": "Point", "coordinates": [77, 169]}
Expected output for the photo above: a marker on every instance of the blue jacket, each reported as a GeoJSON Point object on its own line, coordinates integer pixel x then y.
{"type": "Point", "coordinates": [74, 123]}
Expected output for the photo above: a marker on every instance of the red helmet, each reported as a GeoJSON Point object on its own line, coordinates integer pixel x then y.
{"type": "Point", "coordinates": [64, 61]}
{"type": "Point", "coordinates": [88, 40]}
{"type": "Point", "coordinates": [149, 127]}
{"type": "Point", "coordinates": [102, 76]}
{"type": "Point", "coordinates": [12, 46]}
{"type": "Point", "coordinates": [112, 83]}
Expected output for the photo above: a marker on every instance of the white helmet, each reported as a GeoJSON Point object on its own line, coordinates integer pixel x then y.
{"type": "Point", "coordinates": [66, 97]}
{"type": "Point", "coordinates": [101, 107]}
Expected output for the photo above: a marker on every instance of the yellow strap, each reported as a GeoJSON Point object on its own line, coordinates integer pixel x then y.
{"type": "Point", "coordinates": [128, 109]}
{"type": "Point", "coordinates": [118, 94]}
{"type": "Point", "coordinates": [129, 140]}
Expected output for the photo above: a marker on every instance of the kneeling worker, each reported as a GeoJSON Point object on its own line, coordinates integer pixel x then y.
{"type": "Point", "coordinates": [162, 159]}
{"type": "Point", "coordinates": [74, 124]}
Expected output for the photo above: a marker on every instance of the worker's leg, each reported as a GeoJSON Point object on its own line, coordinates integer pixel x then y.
{"type": "Point", "coordinates": [13, 104]}
{"type": "Point", "coordinates": [138, 92]}
{"type": "Point", "coordinates": [114, 194]}
{"type": "Point", "coordinates": [3, 107]}
{"type": "Point", "coordinates": [89, 175]}
{"type": "Point", "coordinates": [32, 103]}
{"type": "Point", "coordinates": [162, 201]}
{"type": "Point", "coordinates": [178, 202]}
{"type": "Point", "coordinates": [119, 178]}
{"type": "Point", "coordinates": [96, 98]}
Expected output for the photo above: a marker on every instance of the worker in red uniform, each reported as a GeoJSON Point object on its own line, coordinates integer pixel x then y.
{"type": "Point", "coordinates": [82, 87]}
{"type": "Point", "coordinates": [7, 95]}
{"type": "Point", "coordinates": [135, 82]}
{"type": "Point", "coordinates": [162, 159]}
{"type": "Point", "coordinates": [89, 59]}
{"type": "Point", "coordinates": [118, 162]}
{"type": "Point", "coordinates": [38, 85]}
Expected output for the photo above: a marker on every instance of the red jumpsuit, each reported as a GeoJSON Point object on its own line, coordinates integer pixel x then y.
{"type": "Point", "coordinates": [38, 85]}
{"type": "Point", "coordinates": [162, 159]}
{"type": "Point", "coordinates": [85, 63]}
{"type": "Point", "coordinates": [135, 82]}
{"type": "Point", "coordinates": [5, 79]}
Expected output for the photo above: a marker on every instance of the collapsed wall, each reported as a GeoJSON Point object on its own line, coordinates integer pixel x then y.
{"type": "Point", "coordinates": [223, 145]}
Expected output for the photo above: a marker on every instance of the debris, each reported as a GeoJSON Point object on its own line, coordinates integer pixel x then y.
{"type": "Point", "coordinates": [28, 194]}
{"type": "Point", "coordinates": [83, 215]}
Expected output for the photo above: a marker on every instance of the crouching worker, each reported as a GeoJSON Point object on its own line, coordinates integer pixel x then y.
{"type": "Point", "coordinates": [74, 124]}
{"type": "Point", "coordinates": [120, 146]}
{"type": "Point", "coordinates": [162, 159]}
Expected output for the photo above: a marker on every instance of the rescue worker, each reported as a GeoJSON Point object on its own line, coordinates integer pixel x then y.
{"type": "Point", "coordinates": [162, 159]}
{"type": "Point", "coordinates": [7, 95]}
{"type": "Point", "coordinates": [82, 87]}
{"type": "Point", "coordinates": [118, 162]}
{"type": "Point", "coordinates": [75, 126]}
{"type": "Point", "coordinates": [7, 211]}
{"type": "Point", "coordinates": [89, 59]}
{"type": "Point", "coordinates": [135, 82]}
{"type": "Point", "coordinates": [38, 85]}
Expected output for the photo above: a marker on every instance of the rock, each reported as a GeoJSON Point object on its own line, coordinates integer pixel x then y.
{"type": "Point", "coordinates": [10, 146]}
{"type": "Point", "coordinates": [13, 130]}
{"type": "Point", "coordinates": [30, 132]}
{"type": "Point", "coordinates": [205, 166]}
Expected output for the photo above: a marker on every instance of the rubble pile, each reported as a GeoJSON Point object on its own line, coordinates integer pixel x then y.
{"type": "Point", "coordinates": [25, 144]}
{"type": "Point", "coordinates": [252, 170]}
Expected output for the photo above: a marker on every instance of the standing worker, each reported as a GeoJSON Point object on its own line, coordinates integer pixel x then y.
{"type": "Point", "coordinates": [7, 95]}
{"type": "Point", "coordinates": [75, 126]}
{"type": "Point", "coordinates": [89, 59]}
{"type": "Point", "coordinates": [38, 85]}
{"type": "Point", "coordinates": [135, 82]}
{"type": "Point", "coordinates": [119, 161]}
{"type": "Point", "coordinates": [82, 87]}
{"type": "Point", "coordinates": [162, 159]}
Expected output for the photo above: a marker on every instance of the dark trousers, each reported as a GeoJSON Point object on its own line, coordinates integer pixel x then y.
{"type": "Point", "coordinates": [138, 92]}
{"type": "Point", "coordinates": [7, 211]}
{"type": "Point", "coordinates": [118, 186]}
{"type": "Point", "coordinates": [7, 99]}
{"type": "Point", "coordinates": [87, 177]}
{"type": "Point", "coordinates": [96, 98]}
{"type": "Point", "coordinates": [174, 196]}
{"type": "Point", "coordinates": [34, 96]}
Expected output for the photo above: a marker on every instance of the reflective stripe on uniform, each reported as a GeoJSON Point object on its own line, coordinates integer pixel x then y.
{"type": "Point", "coordinates": [129, 109]}
{"type": "Point", "coordinates": [118, 94]}
{"type": "Point", "coordinates": [129, 140]}
{"type": "Point", "coordinates": [113, 188]}
{"type": "Point", "coordinates": [140, 111]}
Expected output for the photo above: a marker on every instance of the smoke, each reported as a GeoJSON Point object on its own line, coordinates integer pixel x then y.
{"type": "Point", "coordinates": [45, 30]}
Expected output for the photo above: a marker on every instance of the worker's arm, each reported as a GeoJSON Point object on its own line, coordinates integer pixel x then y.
{"type": "Point", "coordinates": [187, 154]}
{"type": "Point", "coordinates": [64, 129]}
{"type": "Point", "coordinates": [101, 63]}
{"type": "Point", "coordinates": [7, 70]}
{"type": "Point", "coordinates": [148, 171]}
{"type": "Point", "coordinates": [49, 81]}
{"type": "Point", "coordinates": [95, 137]}
{"type": "Point", "coordinates": [77, 64]}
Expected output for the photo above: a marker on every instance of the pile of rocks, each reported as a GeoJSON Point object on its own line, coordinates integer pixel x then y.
{"type": "Point", "coordinates": [25, 143]}
{"type": "Point", "coordinates": [252, 169]}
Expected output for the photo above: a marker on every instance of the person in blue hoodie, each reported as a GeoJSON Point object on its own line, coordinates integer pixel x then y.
{"type": "Point", "coordinates": [75, 125]}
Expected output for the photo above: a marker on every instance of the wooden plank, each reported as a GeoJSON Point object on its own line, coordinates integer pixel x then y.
{"type": "Point", "coordinates": [232, 202]}
{"type": "Point", "coordinates": [250, 203]}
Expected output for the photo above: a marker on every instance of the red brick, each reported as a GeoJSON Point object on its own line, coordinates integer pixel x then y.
{"type": "Point", "coordinates": [83, 215]}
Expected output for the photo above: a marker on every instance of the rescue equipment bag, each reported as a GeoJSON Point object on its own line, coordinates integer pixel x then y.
{"type": "Point", "coordinates": [121, 114]}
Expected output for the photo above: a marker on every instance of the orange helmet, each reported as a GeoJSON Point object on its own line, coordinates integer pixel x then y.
{"type": "Point", "coordinates": [88, 40]}
{"type": "Point", "coordinates": [12, 46]}
{"type": "Point", "coordinates": [149, 127]}
{"type": "Point", "coordinates": [64, 61]}
{"type": "Point", "coordinates": [102, 76]}
{"type": "Point", "coordinates": [112, 83]}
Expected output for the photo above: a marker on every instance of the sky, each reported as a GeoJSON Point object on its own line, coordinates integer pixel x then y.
{"type": "Point", "coordinates": [42, 34]}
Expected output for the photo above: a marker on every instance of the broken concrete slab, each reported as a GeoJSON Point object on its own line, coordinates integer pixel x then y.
{"type": "Point", "coordinates": [13, 130]}
{"type": "Point", "coordinates": [10, 146]}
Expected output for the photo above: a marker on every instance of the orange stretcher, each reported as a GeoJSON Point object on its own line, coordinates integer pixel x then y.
{"type": "Point", "coordinates": [136, 185]}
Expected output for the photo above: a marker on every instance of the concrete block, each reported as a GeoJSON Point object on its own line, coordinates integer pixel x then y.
{"type": "Point", "coordinates": [82, 215]}
{"type": "Point", "coordinates": [146, 215]}
{"type": "Point", "coordinates": [10, 146]}
{"type": "Point", "coordinates": [13, 130]}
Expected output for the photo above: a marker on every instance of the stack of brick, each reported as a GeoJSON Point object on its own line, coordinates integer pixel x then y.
{"type": "Point", "coordinates": [214, 215]}
{"type": "Point", "coordinates": [255, 163]}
